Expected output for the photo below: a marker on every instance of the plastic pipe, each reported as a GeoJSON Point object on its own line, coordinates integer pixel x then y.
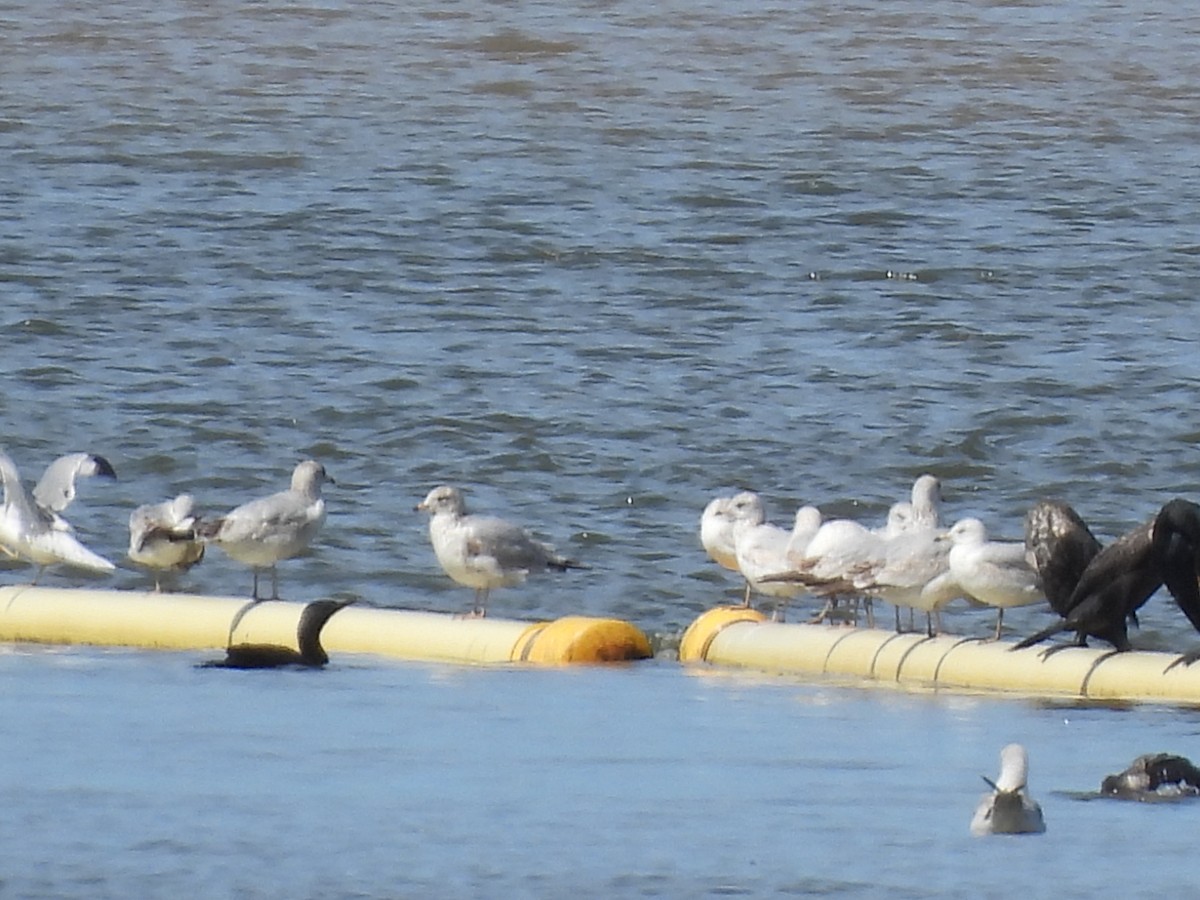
{"type": "Point", "coordinates": [739, 637]}
{"type": "Point", "coordinates": [193, 622]}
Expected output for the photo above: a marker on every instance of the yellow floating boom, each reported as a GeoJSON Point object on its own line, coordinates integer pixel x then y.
{"type": "Point", "coordinates": [735, 636]}
{"type": "Point", "coordinates": [191, 622]}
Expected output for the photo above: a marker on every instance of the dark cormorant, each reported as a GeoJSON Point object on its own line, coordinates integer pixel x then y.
{"type": "Point", "coordinates": [272, 656]}
{"type": "Point", "coordinates": [1122, 577]}
{"type": "Point", "coordinates": [1154, 776]}
{"type": "Point", "coordinates": [1060, 546]}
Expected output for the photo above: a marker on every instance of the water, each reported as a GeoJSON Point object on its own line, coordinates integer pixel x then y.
{"type": "Point", "coordinates": [597, 263]}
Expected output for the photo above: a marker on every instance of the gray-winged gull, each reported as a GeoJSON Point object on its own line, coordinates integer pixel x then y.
{"type": "Point", "coordinates": [270, 529]}
{"type": "Point", "coordinates": [484, 552]}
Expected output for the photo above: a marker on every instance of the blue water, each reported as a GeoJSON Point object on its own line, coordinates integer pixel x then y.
{"type": "Point", "coordinates": [597, 263]}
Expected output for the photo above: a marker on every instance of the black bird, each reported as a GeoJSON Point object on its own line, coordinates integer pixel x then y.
{"type": "Point", "coordinates": [1123, 576]}
{"type": "Point", "coordinates": [1060, 546]}
{"type": "Point", "coordinates": [1113, 587]}
{"type": "Point", "coordinates": [272, 656]}
{"type": "Point", "coordinates": [1148, 773]}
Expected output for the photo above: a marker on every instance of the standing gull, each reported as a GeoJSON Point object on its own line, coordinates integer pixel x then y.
{"type": "Point", "coordinates": [996, 573]}
{"type": "Point", "coordinates": [483, 552]}
{"type": "Point", "coordinates": [762, 548]}
{"type": "Point", "coordinates": [35, 532]}
{"type": "Point", "coordinates": [1009, 809]}
{"type": "Point", "coordinates": [162, 537]}
{"type": "Point", "coordinates": [265, 531]}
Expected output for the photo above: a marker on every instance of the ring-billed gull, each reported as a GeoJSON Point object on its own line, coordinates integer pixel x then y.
{"type": "Point", "coordinates": [912, 572]}
{"type": "Point", "coordinates": [1154, 777]}
{"type": "Point", "coordinates": [1009, 809]}
{"type": "Point", "coordinates": [717, 525]}
{"type": "Point", "coordinates": [484, 552]}
{"type": "Point", "coordinates": [996, 573]}
{"type": "Point", "coordinates": [1123, 576]}
{"type": "Point", "coordinates": [762, 548]}
{"type": "Point", "coordinates": [925, 510]}
{"type": "Point", "coordinates": [270, 529]}
{"type": "Point", "coordinates": [162, 537]}
{"type": "Point", "coordinates": [37, 533]}
{"type": "Point", "coordinates": [310, 655]}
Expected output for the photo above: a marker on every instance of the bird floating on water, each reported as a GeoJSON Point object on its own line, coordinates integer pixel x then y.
{"type": "Point", "coordinates": [1154, 777]}
{"type": "Point", "coordinates": [484, 552]}
{"type": "Point", "coordinates": [1009, 809]}
{"type": "Point", "coordinates": [31, 527]}
{"type": "Point", "coordinates": [310, 655]}
{"type": "Point", "coordinates": [162, 537]}
{"type": "Point", "coordinates": [266, 531]}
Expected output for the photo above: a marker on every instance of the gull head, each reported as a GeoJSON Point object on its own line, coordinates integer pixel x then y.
{"type": "Point", "coordinates": [443, 500]}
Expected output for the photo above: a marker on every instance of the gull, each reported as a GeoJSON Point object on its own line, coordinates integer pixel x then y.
{"type": "Point", "coordinates": [926, 503]}
{"type": "Point", "coordinates": [56, 488]}
{"type": "Point", "coordinates": [716, 533]}
{"type": "Point", "coordinates": [311, 654]}
{"type": "Point", "coordinates": [35, 532]}
{"type": "Point", "coordinates": [762, 548]}
{"type": "Point", "coordinates": [483, 552]}
{"type": "Point", "coordinates": [162, 537]}
{"type": "Point", "coordinates": [913, 571]}
{"type": "Point", "coordinates": [995, 573]}
{"type": "Point", "coordinates": [265, 531]}
{"type": "Point", "coordinates": [1009, 809]}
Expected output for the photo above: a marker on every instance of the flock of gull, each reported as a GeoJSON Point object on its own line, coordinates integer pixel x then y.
{"type": "Point", "coordinates": [480, 552]}
{"type": "Point", "coordinates": [914, 561]}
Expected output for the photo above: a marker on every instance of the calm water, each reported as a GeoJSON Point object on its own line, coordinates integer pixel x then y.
{"type": "Point", "coordinates": [598, 263]}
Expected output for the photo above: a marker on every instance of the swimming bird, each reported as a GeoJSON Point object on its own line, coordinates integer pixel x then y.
{"type": "Point", "coordinates": [1009, 809]}
{"type": "Point", "coordinates": [1154, 776]}
{"type": "Point", "coordinates": [484, 552]}
{"type": "Point", "coordinates": [995, 573]}
{"type": "Point", "coordinates": [1059, 546]}
{"type": "Point", "coordinates": [162, 537]}
{"type": "Point", "coordinates": [266, 531]}
{"type": "Point", "coordinates": [273, 656]}
{"type": "Point", "coordinates": [37, 533]}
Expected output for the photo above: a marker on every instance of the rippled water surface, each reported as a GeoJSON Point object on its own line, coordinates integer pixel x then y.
{"type": "Point", "coordinates": [597, 263]}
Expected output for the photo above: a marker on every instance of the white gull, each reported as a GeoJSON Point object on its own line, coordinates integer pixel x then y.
{"type": "Point", "coordinates": [1009, 809]}
{"type": "Point", "coordinates": [484, 552]}
{"type": "Point", "coordinates": [266, 531]}
{"type": "Point", "coordinates": [35, 532]}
